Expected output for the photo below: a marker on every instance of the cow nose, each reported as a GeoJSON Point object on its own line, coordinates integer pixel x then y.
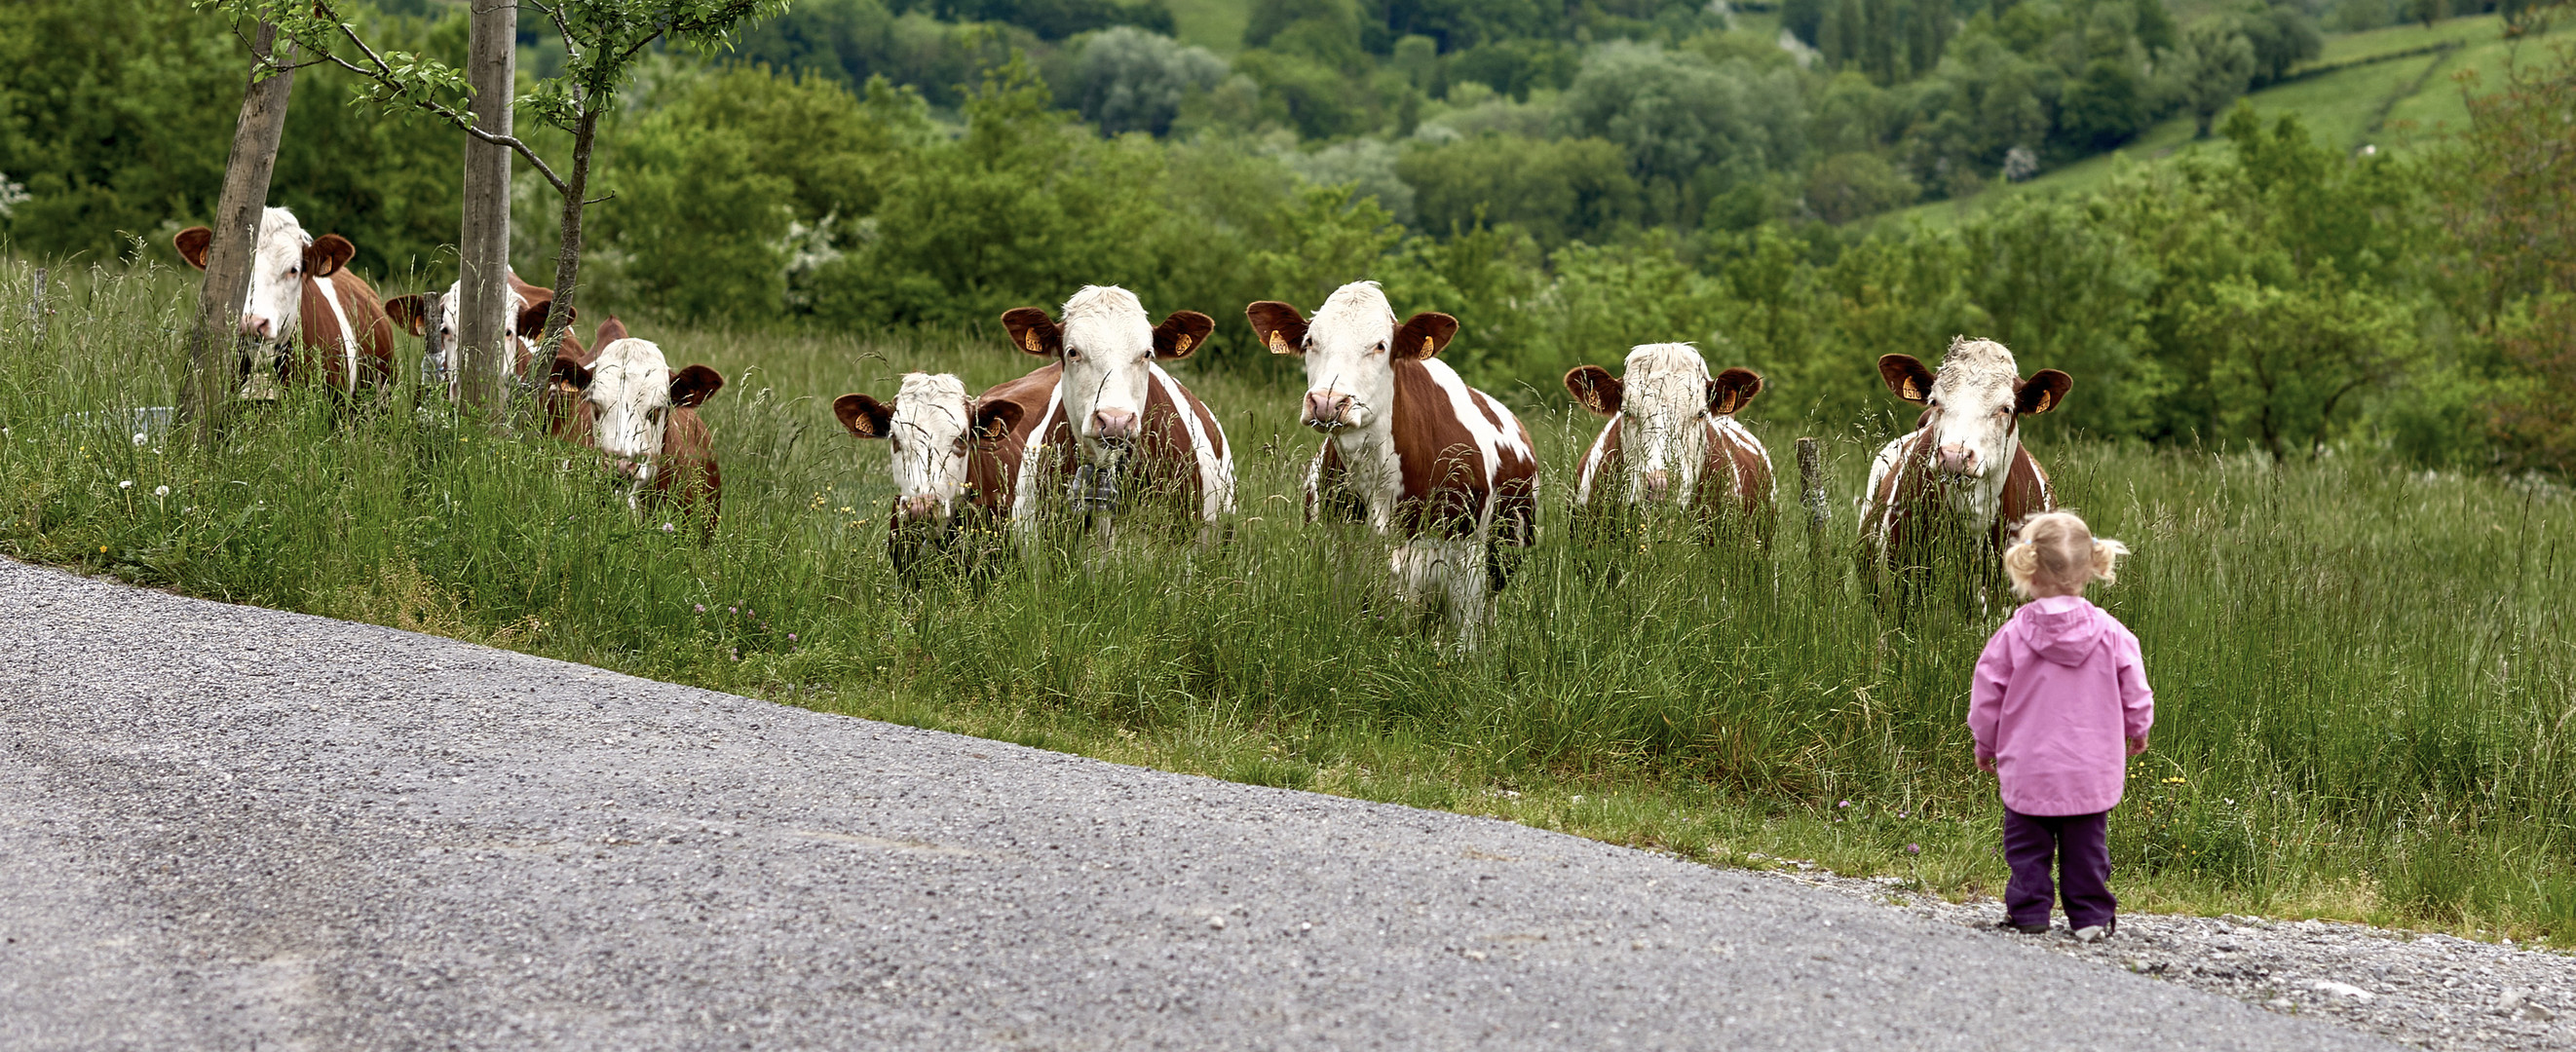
{"type": "Point", "coordinates": [1957, 458]}
{"type": "Point", "coordinates": [254, 326]}
{"type": "Point", "coordinates": [1658, 483]}
{"type": "Point", "coordinates": [919, 507]}
{"type": "Point", "coordinates": [1327, 409]}
{"type": "Point", "coordinates": [1113, 425]}
{"type": "Point", "coordinates": [623, 467]}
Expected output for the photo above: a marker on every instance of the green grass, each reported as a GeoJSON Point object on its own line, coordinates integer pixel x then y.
{"type": "Point", "coordinates": [2362, 673]}
{"type": "Point", "coordinates": [1216, 25]}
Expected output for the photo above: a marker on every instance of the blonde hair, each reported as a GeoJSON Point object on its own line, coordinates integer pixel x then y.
{"type": "Point", "coordinates": [2058, 554]}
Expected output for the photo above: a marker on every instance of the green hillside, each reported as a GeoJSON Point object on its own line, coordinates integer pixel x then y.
{"type": "Point", "coordinates": [2389, 89]}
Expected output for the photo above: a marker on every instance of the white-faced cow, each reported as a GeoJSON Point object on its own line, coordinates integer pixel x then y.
{"type": "Point", "coordinates": [628, 404]}
{"type": "Point", "coordinates": [1114, 421]}
{"type": "Point", "coordinates": [303, 298]}
{"type": "Point", "coordinates": [954, 461]}
{"type": "Point", "coordinates": [1410, 448]}
{"type": "Point", "coordinates": [433, 318]}
{"type": "Point", "coordinates": [1673, 440]}
{"type": "Point", "coordinates": [1962, 474]}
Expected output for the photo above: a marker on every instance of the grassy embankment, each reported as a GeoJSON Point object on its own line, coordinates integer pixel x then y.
{"type": "Point", "coordinates": [2393, 88]}
{"type": "Point", "coordinates": [2364, 674]}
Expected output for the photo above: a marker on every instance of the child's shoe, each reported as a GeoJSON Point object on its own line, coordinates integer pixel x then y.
{"type": "Point", "coordinates": [2026, 929]}
{"type": "Point", "coordinates": [2097, 932]}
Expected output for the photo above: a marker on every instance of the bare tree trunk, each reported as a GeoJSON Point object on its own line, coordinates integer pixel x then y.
{"type": "Point", "coordinates": [483, 246]}
{"type": "Point", "coordinates": [568, 258]}
{"type": "Point", "coordinates": [214, 338]}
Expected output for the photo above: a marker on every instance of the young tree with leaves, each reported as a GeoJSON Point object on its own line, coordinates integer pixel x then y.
{"type": "Point", "coordinates": [603, 39]}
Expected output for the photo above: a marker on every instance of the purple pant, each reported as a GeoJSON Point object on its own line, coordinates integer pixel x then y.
{"type": "Point", "coordinates": [2081, 847]}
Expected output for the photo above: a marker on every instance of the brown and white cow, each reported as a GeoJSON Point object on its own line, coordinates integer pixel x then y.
{"type": "Point", "coordinates": [642, 417]}
{"type": "Point", "coordinates": [1410, 448]}
{"type": "Point", "coordinates": [433, 318]}
{"type": "Point", "coordinates": [1673, 440]}
{"type": "Point", "coordinates": [1114, 421]}
{"type": "Point", "coordinates": [302, 297]}
{"type": "Point", "coordinates": [955, 459]}
{"type": "Point", "coordinates": [1962, 474]}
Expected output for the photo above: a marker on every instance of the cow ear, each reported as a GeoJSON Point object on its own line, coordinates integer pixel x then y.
{"type": "Point", "coordinates": [1595, 389]}
{"type": "Point", "coordinates": [1732, 390]}
{"type": "Point", "coordinates": [327, 254]}
{"type": "Point", "coordinates": [996, 419]}
{"type": "Point", "coordinates": [1181, 335]}
{"type": "Point", "coordinates": [2042, 392]}
{"type": "Point", "coordinates": [192, 243]}
{"type": "Point", "coordinates": [570, 374]}
{"type": "Point", "coordinates": [1278, 326]}
{"type": "Point", "coordinates": [532, 319]}
{"type": "Point", "coordinates": [611, 331]}
{"type": "Point", "coordinates": [864, 416]}
{"type": "Point", "coordinates": [693, 385]}
{"type": "Point", "coordinates": [1906, 376]}
{"type": "Point", "coordinates": [1033, 332]}
{"type": "Point", "coordinates": [406, 312]}
{"type": "Point", "coordinates": [1423, 335]}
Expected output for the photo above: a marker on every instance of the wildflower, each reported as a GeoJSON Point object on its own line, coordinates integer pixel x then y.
{"type": "Point", "coordinates": [102, 549]}
{"type": "Point", "coordinates": [1914, 849]}
{"type": "Point", "coordinates": [1845, 803]}
{"type": "Point", "coordinates": [733, 610]}
{"type": "Point", "coordinates": [160, 491]}
{"type": "Point", "coordinates": [666, 527]}
{"type": "Point", "coordinates": [127, 484]}
{"type": "Point", "coordinates": [139, 438]}
{"type": "Point", "coordinates": [702, 607]}
{"type": "Point", "coordinates": [791, 637]}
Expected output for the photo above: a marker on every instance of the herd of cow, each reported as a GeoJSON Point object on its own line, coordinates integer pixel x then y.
{"type": "Point", "coordinates": [1445, 471]}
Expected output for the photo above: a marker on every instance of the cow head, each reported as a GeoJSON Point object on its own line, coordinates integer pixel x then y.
{"type": "Point", "coordinates": [1974, 405]}
{"type": "Point", "coordinates": [932, 427]}
{"type": "Point", "coordinates": [631, 392]}
{"type": "Point", "coordinates": [1106, 344]}
{"type": "Point", "coordinates": [434, 320]}
{"type": "Point", "coordinates": [282, 260]}
{"type": "Point", "coordinates": [1350, 347]}
{"type": "Point", "coordinates": [1663, 405]}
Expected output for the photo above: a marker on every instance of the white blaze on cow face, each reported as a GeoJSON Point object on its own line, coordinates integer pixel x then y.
{"type": "Point", "coordinates": [1107, 346]}
{"type": "Point", "coordinates": [1663, 421]}
{"type": "Point", "coordinates": [1349, 383]}
{"type": "Point", "coordinates": [274, 309]}
{"type": "Point", "coordinates": [1972, 419]}
{"type": "Point", "coordinates": [630, 399]}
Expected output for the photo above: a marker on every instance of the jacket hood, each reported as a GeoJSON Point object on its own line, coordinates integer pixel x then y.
{"type": "Point", "coordinates": [2064, 629]}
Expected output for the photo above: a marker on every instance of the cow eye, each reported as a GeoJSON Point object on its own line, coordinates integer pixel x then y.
{"type": "Point", "coordinates": [1072, 355]}
{"type": "Point", "coordinates": [1379, 349]}
{"type": "Point", "coordinates": [958, 447]}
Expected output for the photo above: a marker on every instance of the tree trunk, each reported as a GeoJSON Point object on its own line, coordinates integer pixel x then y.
{"type": "Point", "coordinates": [483, 245]}
{"type": "Point", "coordinates": [568, 257]}
{"type": "Point", "coordinates": [214, 365]}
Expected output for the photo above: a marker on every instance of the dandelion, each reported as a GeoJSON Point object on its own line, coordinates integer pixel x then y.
{"type": "Point", "coordinates": [160, 491]}
{"type": "Point", "coordinates": [127, 484]}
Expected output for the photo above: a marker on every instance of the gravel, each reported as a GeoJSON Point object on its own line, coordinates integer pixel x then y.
{"type": "Point", "coordinates": [230, 827]}
{"type": "Point", "coordinates": [2428, 990]}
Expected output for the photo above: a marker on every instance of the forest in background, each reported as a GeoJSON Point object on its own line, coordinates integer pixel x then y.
{"type": "Point", "coordinates": [1568, 179]}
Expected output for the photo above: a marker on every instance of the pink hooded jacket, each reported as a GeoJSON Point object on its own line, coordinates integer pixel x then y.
{"type": "Point", "coordinates": [2058, 690]}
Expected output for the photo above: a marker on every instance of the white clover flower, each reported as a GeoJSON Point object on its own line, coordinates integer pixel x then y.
{"type": "Point", "coordinates": [666, 527]}
{"type": "Point", "coordinates": [160, 491]}
{"type": "Point", "coordinates": [127, 484]}
{"type": "Point", "coordinates": [140, 438]}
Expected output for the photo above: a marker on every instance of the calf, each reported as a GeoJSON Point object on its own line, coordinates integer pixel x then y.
{"type": "Point", "coordinates": [1962, 474]}
{"type": "Point", "coordinates": [954, 459]}
{"type": "Point", "coordinates": [1409, 448]}
{"type": "Point", "coordinates": [1673, 440]}
{"type": "Point", "coordinates": [1113, 419]}
{"type": "Point", "coordinates": [303, 296]}
{"type": "Point", "coordinates": [643, 420]}
{"type": "Point", "coordinates": [433, 318]}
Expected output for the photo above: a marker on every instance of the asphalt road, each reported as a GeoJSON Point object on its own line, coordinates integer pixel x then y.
{"type": "Point", "coordinates": [224, 827]}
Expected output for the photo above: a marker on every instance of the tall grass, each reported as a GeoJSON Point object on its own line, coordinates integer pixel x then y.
{"type": "Point", "coordinates": [2364, 676]}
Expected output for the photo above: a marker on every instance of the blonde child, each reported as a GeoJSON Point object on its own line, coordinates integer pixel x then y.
{"type": "Point", "coordinates": [2058, 693]}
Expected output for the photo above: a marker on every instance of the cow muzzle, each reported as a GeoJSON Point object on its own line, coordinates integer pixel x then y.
{"type": "Point", "coordinates": [1327, 410]}
{"type": "Point", "coordinates": [917, 509]}
{"type": "Point", "coordinates": [1113, 425]}
{"type": "Point", "coordinates": [258, 328]}
{"type": "Point", "coordinates": [1659, 485]}
{"type": "Point", "coordinates": [627, 469]}
{"type": "Point", "coordinates": [1957, 459]}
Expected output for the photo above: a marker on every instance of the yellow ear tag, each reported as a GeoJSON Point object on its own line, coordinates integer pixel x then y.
{"type": "Point", "coordinates": [1912, 394]}
{"type": "Point", "coordinates": [1426, 346]}
{"type": "Point", "coordinates": [1180, 343]}
{"type": "Point", "coordinates": [1029, 340]}
{"type": "Point", "coordinates": [1278, 343]}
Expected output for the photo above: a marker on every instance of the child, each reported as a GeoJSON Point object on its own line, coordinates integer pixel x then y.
{"type": "Point", "coordinates": [2057, 691]}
